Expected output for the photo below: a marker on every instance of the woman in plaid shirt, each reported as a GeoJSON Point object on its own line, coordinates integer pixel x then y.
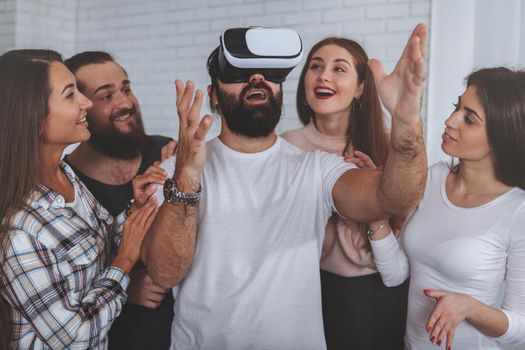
{"type": "Point", "coordinates": [63, 280]}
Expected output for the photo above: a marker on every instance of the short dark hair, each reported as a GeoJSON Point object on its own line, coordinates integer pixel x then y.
{"type": "Point", "coordinates": [213, 66]}
{"type": "Point", "coordinates": [85, 58]}
{"type": "Point", "coordinates": [213, 70]}
{"type": "Point", "coordinates": [502, 94]}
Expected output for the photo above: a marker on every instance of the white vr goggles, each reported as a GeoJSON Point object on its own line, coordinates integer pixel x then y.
{"type": "Point", "coordinates": [273, 52]}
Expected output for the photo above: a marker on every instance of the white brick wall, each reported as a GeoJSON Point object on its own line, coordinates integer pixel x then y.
{"type": "Point", "coordinates": [161, 40]}
{"type": "Point", "coordinates": [46, 24]}
{"type": "Point", "coordinates": [7, 24]}
{"type": "Point", "coordinates": [158, 41]}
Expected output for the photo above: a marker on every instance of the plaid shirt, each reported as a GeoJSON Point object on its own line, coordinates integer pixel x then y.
{"type": "Point", "coordinates": [57, 274]}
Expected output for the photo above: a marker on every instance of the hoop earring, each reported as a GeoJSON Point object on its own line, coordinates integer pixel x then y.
{"type": "Point", "coordinates": [357, 105]}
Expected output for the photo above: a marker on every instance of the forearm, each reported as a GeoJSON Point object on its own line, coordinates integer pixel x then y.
{"type": "Point", "coordinates": [169, 246]}
{"type": "Point", "coordinates": [488, 320]}
{"type": "Point", "coordinates": [403, 179]}
{"type": "Point", "coordinates": [124, 263]}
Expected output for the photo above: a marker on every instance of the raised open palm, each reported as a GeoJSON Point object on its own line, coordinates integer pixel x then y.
{"type": "Point", "coordinates": [401, 91]}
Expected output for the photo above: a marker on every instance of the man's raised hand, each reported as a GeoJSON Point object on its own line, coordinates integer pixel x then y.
{"type": "Point", "coordinates": [191, 150]}
{"type": "Point", "coordinates": [401, 91]}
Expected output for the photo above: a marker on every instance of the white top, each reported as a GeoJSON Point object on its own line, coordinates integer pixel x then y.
{"type": "Point", "coordinates": [463, 250]}
{"type": "Point", "coordinates": [254, 282]}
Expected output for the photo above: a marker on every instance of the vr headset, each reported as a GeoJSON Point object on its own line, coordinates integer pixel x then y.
{"type": "Point", "coordinates": [272, 52]}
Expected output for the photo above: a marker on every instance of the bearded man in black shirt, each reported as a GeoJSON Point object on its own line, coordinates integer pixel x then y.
{"type": "Point", "coordinates": [117, 151]}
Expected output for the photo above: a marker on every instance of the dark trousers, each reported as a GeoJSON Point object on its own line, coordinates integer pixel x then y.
{"type": "Point", "coordinates": [361, 313]}
{"type": "Point", "coordinates": [140, 328]}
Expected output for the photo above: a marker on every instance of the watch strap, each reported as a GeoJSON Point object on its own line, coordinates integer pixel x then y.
{"type": "Point", "coordinates": [173, 195]}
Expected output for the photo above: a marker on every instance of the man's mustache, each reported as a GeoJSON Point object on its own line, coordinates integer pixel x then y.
{"type": "Point", "coordinates": [122, 112]}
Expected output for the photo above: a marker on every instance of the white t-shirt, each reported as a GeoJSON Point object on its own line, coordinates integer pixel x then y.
{"type": "Point", "coordinates": [464, 250]}
{"type": "Point", "coordinates": [346, 251]}
{"type": "Point", "coordinates": [254, 282]}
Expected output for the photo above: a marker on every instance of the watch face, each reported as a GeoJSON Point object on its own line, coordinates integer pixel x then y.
{"type": "Point", "coordinates": [168, 189]}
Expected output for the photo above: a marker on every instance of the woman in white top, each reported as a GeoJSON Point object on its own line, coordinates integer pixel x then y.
{"type": "Point", "coordinates": [466, 239]}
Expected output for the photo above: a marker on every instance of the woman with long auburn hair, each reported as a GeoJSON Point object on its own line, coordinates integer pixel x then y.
{"type": "Point", "coordinates": [64, 266]}
{"type": "Point", "coordinates": [339, 105]}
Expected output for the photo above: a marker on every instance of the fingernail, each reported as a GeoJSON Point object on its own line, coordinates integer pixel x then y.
{"type": "Point", "coordinates": [426, 291]}
{"type": "Point", "coordinates": [438, 342]}
{"type": "Point", "coordinates": [433, 338]}
{"type": "Point", "coordinates": [449, 348]}
{"type": "Point", "coordinates": [429, 329]}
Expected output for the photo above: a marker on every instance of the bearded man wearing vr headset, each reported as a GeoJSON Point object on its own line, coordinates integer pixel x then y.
{"type": "Point", "coordinates": [251, 279]}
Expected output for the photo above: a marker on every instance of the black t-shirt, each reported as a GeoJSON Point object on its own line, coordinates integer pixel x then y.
{"type": "Point", "coordinates": [115, 198]}
{"type": "Point", "coordinates": [137, 327]}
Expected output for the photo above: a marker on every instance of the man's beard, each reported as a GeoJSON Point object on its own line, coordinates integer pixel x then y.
{"type": "Point", "coordinates": [251, 120]}
{"type": "Point", "coordinates": [108, 140]}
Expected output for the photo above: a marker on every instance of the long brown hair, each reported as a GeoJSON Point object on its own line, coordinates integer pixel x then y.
{"type": "Point", "coordinates": [24, 96]}
{"type": "Point", "coordinates": [366, 130]}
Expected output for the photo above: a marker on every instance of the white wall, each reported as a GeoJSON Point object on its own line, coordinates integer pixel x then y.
{"type": "Point", "coordinates": [46, 24]}
{"type": "Point", "coordinates": [7, 24]}
{"type": "Point", "coordinates": [467, 35]}
{"type": "Point", "coordinates": [38, 24]}
{"type": "Point", "coordinates": [160, 40]}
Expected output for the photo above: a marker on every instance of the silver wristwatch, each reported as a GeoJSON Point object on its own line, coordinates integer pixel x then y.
{"type": "Point", "coordinates": [173, 195]}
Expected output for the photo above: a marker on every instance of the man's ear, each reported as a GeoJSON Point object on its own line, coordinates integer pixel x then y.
{"type": "Point", "coordinates": [213, 97]}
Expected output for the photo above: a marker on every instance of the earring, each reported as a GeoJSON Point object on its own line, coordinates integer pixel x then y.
{"type": "Point", "coordinates": [357, 105]}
